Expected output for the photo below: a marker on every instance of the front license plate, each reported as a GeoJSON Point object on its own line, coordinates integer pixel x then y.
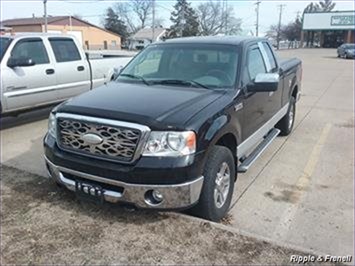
{"type": "Point", "coordinates": [89, 191]}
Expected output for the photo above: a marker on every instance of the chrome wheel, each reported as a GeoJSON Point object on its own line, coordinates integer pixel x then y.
{"type": "Point", "coordinates": [222, 185]}
{"type": "Point", "coordinates": [291, 116]}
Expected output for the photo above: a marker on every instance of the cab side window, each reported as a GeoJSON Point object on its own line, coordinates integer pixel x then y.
{"type": "Point", "coordinates": [31, 48]}
{"type": "Point", "coordinates": [255, 63]}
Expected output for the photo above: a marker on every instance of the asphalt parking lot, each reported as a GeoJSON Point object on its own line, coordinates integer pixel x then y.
{"type": "Point", "coordinates": [299, 193]}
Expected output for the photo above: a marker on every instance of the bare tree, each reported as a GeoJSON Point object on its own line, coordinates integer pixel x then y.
{"type": "Point", "coordinates": [275, 31]}
{"type": "Point", "coordinates": [213, 19]}
{"type": "Point", "coordinates": [77, 15]}
{"type": "Point", "coordinates": [159, 22]}
{"type": "Point", "coordinates": [326, 5]}
{"type": "Point", "coordinates": [143, 10]}
{"type": "Point", "coordinates": [123, 10]}
{"type": "Point", "coordinates": [135, 13]}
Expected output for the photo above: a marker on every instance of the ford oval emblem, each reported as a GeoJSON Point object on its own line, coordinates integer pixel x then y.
{"type": "Point", "coordinates": [91, 138]}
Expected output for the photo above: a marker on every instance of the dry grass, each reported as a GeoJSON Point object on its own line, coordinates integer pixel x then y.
{"type": "Point", "coordinates": [43, 224]}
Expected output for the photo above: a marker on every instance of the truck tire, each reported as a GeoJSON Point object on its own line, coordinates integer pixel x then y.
{"type": "Point", "coordinates": [218, 185]}
{"type": "Point", "coordinates": [287, 122]}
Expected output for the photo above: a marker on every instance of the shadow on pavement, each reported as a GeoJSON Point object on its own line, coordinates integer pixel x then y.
{"type": "Point", "coordinates": [24, 118]}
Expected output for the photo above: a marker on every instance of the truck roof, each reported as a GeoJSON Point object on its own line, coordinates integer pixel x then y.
{"type": "Point", "coordinates": [230, 40]}
{"type": "Point", "coordinates": [19, 35]}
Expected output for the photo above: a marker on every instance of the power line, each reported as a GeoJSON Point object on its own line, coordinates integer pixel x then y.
{"type": "Point", "coordinates": [164, 7]}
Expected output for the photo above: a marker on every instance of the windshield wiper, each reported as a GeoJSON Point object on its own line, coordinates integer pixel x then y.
{"type": "Point", "coordinates": [136, 77]}
{"type": "Point", "coordinates": [181, 82]}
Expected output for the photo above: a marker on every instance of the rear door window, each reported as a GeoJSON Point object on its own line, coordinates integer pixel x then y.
{"type": "Point", "coordinates": [31, 48]}
{"type": "Point", "coordinates": [64, 49]}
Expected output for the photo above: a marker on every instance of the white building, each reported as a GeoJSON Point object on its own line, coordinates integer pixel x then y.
{"type": "Point", "coordinates": [335, 28]}
{"type": "Point", "coordinates": [144, 37]}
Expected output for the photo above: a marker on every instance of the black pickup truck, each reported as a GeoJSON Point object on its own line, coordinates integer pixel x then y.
{"type": "Point", "coordinates": [182, 118]}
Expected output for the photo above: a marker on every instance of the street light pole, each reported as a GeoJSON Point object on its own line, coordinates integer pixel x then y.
{"type": "Point", "coordinates": [45, 16]}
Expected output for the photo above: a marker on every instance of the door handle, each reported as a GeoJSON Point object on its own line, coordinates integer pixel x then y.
{"type": "Point", "coordinates": [50, 71]}
{"type": "Point", "coordinates": [81, 68]}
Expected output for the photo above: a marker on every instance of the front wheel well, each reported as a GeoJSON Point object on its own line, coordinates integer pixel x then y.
{"type": "Point", "coordinates": [294, 92]}
{"type": "Point", "coordinates": [229, 141]}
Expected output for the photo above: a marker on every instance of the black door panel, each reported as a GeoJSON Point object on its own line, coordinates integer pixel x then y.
{"type": "Point", "coordinates": [254, 102]}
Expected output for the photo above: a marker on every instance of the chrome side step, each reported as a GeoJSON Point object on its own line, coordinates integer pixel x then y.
{"type": "Point", "coordinates": [247, 162]}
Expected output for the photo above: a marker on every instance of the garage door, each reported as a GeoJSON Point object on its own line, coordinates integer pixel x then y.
{"type": "Point", "coordinates": [78, 35]}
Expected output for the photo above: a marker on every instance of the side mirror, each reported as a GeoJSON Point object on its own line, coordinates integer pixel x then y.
{"type": "Point", "coordinates": [20, 62]}
{"type": "Point", "coordinates": [117, 71]}
{"type": "Point", "coordinates": [265, 82]}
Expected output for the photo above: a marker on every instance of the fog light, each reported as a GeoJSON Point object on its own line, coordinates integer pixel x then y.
{"type": "Point", "coordinates": [157, 195]}
{"type": "Point", "coordinates": [153, 197]}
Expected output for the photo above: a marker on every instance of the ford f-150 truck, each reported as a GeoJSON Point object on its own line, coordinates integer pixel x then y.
{"type": "Point", "coordinates": [40, 69]}
{"type": "Point", "coordinates": [182, 118]}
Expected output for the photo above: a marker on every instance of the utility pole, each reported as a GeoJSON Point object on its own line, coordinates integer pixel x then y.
{"type": "Point", "coordinates": [70, 23]}
{"type": "Point", "coordinates": [45, 15]}
{"type": "Point", "coordinates": [226, 14]}
{"type": "Point", "coordinates": [257, 18]}
{"type": "Point", "coordinates": [153, 29]}
{"type": "Point", "coordinates": [279, 26]}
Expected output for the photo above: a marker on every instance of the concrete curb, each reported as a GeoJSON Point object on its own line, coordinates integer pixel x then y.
{"type": "Point", "coordinates": [251, 235]}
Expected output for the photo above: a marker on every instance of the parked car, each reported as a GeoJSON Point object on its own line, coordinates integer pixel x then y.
{"type": "Point", "coordinates": [183, 117]}
{"type": "Point", "coordinates": [40, 69]}
{"type": "Point", "coordinates": [346, 50]}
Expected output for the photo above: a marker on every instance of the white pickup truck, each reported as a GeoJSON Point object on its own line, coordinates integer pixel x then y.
{"type": "Point", "coordinates": [41, 69]}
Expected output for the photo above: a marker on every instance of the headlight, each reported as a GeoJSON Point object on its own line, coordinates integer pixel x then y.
{"type": "Point", "coordinates": [52, 125]}
{"type": "Point", "coordinates": [170, 144]}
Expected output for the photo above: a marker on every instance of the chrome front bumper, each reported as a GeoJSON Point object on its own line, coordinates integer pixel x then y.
{"type": "Point", "coordinates": [174, 196]}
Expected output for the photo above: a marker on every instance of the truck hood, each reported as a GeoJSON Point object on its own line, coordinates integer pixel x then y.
{"type": "Point", "coordinates": [157, 106]}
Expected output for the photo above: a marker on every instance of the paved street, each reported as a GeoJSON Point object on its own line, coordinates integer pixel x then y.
{"type": "Point", "coordinates": [300, 191]}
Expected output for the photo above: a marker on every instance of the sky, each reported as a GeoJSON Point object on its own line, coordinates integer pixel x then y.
{"type": "Point", "coordinates": [93, 10]}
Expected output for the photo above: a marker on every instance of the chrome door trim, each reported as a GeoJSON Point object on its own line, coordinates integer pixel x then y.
{"type": "Point", "coordinates": [17, 93]}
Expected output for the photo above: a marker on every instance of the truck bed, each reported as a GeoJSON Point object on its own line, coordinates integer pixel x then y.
{"type": "Point", "coordinates": [288, 64]}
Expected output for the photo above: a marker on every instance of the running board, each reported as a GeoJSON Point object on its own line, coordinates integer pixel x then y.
{"type": "Point", "coordinates": [247, 162]}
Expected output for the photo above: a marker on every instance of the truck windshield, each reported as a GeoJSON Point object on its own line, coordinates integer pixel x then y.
{"type": "Point", "coordinates": [199, 65]}
{"type": "Point", "coordinates": [4, 43]}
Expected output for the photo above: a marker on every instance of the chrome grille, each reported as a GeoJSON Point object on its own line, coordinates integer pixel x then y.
{"type": "Point", "coordinates": [112, 141]}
